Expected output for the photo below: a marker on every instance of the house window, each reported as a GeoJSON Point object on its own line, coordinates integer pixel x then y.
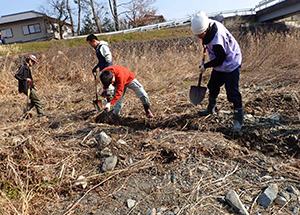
{"type": "Point", "coordinates": [7, 33]}
{"type": "Point", "coordinates": [31, 29]}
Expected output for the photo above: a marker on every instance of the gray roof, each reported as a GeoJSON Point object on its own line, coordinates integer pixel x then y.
{"type": "Point", "coordinates": [21, 16]}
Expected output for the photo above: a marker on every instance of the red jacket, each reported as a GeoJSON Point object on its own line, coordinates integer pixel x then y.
{"type": "Point", "coordinates": [122, 77]}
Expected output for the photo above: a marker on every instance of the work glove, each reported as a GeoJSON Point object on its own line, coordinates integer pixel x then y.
{"type": "Point", "coordinates": [201, 68]}
{"type": "Point", "coordinates": [110, 91]}
{"type": "Point", "coordinates": [107, 106]}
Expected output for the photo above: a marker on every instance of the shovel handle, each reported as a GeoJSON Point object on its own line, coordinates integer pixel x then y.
{"type": "Point", "coordinates": [200, 78]}
{"type": "Point", "coordinates": [204, 54]}
{"type": "Point", "coordinates": [203, 59]}
{"type": "Point", "coordinates": [95, 78]}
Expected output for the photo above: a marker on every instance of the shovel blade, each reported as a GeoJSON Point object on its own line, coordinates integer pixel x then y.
{"type": "Point", "coordinates": [97, 104]}
{"type": "Point", "coordinates": [197, 94]}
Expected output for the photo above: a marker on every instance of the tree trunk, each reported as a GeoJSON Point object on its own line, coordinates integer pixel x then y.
{"type": "Point", "coordinates": [79, 17]}
{"type": "Point", "coordinates": [71, 18]}
{"type": "Point", "coordinates": [116, 18]}
{"type": "Point", "coordinates": [114, 12]}
{"type": "Point", "coordinates": [95, 16]}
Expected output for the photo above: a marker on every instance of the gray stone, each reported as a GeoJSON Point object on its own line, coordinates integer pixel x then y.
{"type": "Point", "coordinates": [295, 209]}
{"type": "Point", "coordinates": [109, 163]}
{"type": "Point", "coordinates": [249, 117]}
{"type": "Point", "coordinates": [104, 139]}
{"type": "Point", "coordinates": [130, 203]}
{"type": "Point", "coordinates": [274, 117]}
{"type": "Point", "coordinates": [106, 152]}
{"type": "Point", "coordinates": [280, 200]}
{"type": "Point", "coordinates": [152, 211]}
{"type": "Point", "coordinates": [293, 190]}
{"type": "Point", "coordinates": [233, 199]}
{"type": "Point", "coordinates": [268, 196]}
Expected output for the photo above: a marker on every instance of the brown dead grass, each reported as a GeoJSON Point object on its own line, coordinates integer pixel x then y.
{"type": "Point", "coordinates": [41, 158]}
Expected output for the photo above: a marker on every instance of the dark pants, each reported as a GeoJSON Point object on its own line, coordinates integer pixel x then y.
{"type": "Point", "coordinates": [231, 81]}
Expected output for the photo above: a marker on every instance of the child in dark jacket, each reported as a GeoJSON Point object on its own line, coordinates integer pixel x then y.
{"type": "Point", "coordinates": [26, 83]}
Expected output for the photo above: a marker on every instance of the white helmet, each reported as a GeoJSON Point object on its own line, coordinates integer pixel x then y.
{"type": "Point", "coordinates": [200, 23]}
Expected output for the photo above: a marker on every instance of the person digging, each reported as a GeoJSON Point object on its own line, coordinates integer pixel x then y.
{"type": "Point", "coordinates": [122, 78]}
{"type": "Point", "coordinates": [225, 59]}
{"type": "Point", "coordinates": [26, 84]}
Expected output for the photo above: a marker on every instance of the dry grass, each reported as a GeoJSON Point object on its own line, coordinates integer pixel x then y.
{"type": "Point", "coordinates": [41, 158]}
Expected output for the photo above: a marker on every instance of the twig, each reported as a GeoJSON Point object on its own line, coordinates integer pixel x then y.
{"type": "Point", "coordinates": [221, 179]}
{"type": "Point", "coordinates": [254, 201]}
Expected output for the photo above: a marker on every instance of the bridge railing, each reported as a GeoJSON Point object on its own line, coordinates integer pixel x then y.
{"type": "Point", "coordinates": [266, 3]}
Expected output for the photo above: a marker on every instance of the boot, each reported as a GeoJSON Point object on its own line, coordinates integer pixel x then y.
{"type": "Point", "coordinates": [238, 120]}
{"type": "Point", "coordinates": [210, 108]}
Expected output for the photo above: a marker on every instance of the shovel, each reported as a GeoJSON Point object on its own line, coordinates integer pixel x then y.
{"type": "Point", "coordinates": [197, 93]}
{"type": "Point", "coordinates": [97, 103]}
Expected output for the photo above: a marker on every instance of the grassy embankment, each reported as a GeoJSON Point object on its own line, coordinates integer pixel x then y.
{"type": "Point", "coordinates": [114, 38]}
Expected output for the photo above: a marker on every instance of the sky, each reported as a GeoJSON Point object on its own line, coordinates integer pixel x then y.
{"type": "Point", "coordinates": [170, 9]}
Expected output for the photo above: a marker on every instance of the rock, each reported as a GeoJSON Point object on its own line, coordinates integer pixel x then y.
{"type": "Point", "coordinates": [268, 196]}
{"type": "Point", "coordinates": [280, 200]}
{"type": "Point", "coordinates": [81, 180]}
{"type": "Point", "coordinates": [121, 142]}
{"type": "Point", "coordinates": [106, 152]}
{"type": "Point", "coordinates": [233, 199]}
{"type": "Point", "coordinates": [274, 117]}
{"type": "Point", "coordinates": [152, 211]}
{"type": "Point", "coordinates": [109, 163]}
{"type": "Point", "coordinates": [249, 117]}
{"type": "Point", "coordinates": [293, 190]}
{"type": "Point", "coordinates": [104, 139]}
{"type": "Point", "coordinates": [161, 210]}
{"type": "Point", "coordinates": [295, 209]}
{"type": "Point", "coordinates": [130, 203]}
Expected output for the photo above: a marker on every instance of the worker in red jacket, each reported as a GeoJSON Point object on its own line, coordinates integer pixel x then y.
{"type": "Point", "coordinates": [121, 78]}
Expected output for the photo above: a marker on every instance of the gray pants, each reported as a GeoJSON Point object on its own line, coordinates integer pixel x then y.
{"type": "Point", "coordinates": [139, 91]}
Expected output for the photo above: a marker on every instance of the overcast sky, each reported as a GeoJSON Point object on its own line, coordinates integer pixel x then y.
{"type": "Point", "coordinates": [170, 9]}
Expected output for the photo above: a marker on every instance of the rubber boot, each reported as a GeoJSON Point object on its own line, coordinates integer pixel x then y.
{"type": "Point", "coordinates": [210, 108]}
{"type": "Point", "coordinates": [238, 120]}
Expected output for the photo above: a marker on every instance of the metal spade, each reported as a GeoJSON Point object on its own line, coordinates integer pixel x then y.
{"type": "Point", "coordinates": [197, 93]}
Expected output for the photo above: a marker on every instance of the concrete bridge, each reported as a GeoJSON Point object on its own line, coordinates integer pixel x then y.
{"type": "Point", "coordinates": [278, 11]}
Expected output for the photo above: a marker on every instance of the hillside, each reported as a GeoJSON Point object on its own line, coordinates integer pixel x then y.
{"type": "Point", "coordinates": [175, 163]}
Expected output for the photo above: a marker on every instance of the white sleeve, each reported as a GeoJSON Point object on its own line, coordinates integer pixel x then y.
{"type": "Point", "coordinates": [106, 53]}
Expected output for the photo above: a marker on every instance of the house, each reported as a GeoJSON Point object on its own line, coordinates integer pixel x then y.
{"type": "Point", "coordinates": [32, 26]}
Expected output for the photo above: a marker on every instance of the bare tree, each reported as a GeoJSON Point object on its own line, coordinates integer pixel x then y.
{"type": "Point", "coordinates": [96, 18]}
{"type": "Point", "coordinates": [71, 17]}
{"type": "Point", "coordinates": [140, 12]}
{"type": "Point", "coordinates": [114, 12]}
{"type": "Point", "coordinates": [58, 10]}
{"type": "Point", "coordinates": [78, 2]}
